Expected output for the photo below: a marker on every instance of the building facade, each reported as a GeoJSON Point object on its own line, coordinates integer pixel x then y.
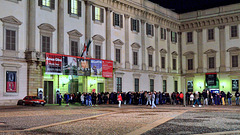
{"type": "Point", "coordinates": [153, 48]}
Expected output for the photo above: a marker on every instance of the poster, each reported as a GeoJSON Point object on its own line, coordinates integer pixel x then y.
{"type": "Point", "coordinates": [84, 67]}
{"type": "Point", "coordinates": [235, 84]}
{"type": "Point", "coordinates": [53, 64]}
{"type": "Point", "coordinates": [69, 65]}
{"type": "Point", "coordinates": [107, 68]}
{"type": "Point", "coordinates": [211, 79]}
{"type": "Point", "coordinates": [190, 86]}
{"type": "Point", "coordinates": [96, 68]}
{"type": "Point", "coordinates": [11, 80]}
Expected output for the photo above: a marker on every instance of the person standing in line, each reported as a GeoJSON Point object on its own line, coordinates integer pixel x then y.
{"type": "Point", "coordinates": [60, 98]}
{"type": "Point", "coordinates": [153, 100]}
{"type": "Point", "coordinates": [191, 98]}
{"type": "Point", "coordinates": [90, 99]}
{"type": "Point", "coordinates": [196, 99]}
{"type": "Point", "coordinates": [229, 97]}
{"type": "Point", "coordinates": [82, 99]}
{"type": "Point", "coordinates": [181, 98]}
{"type": "Point", "coordinates": [223, 97]}
{"type": "Point", "coordinates": [67, 99]}
{"type": "Point", "coordinates": [157, 98]}
{"type": "Point", "coordinates": [205, 97]}
{"type": "Point", "coordinates": [237, 98]}
{"type": "Point", "coordinates": [119, 100]}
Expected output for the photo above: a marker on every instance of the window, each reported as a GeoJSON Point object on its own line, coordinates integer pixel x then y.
{"type": "Point", "coordinates": [174, 64]}
{"type": "Point", "coordinates": [149, 29]}
{"type": "Point", "coordinates": [163, 62]}
{"type": "Point", "coordinates": [74, 48]}
{"type": "Point", "coordinates": [119, 84]}
{"type": "Point", "coordinates": [175, 86]}
{"type": "Point", "coordinates": [164, 85]}
{"type": "Point", "coordinates": [163, 33]}
{"type": "Point", "coordinates": [117, 20]}
{"type": "Point", "coordinates": [210, 34]}
{"type": "Point", "coordinates": [10, 40]}
{"type": "Point", "coordinates": [135, 58]}
{"type": "Point", "coordinates": [150, 60]}
{"type": "Point", "coordinates": [45, 44]}
{"type": "Point", "coordinates": [74, 7]}
{"type": "Point", "coordinates": [134, 25]}
{"type": "Point", "coordinates": [97, 52]}
{"type": "Point", "coordinates": [234, 31]}
{"type": "Point", "coordinates": [47, 3]}
{"type": "Point", "coordinates": [118, 55]}
{"type": "Point", "coordinates": [235, 61]}
{"type": "Point", "coordinates": [97, 14]}
{"type": "Point", "coordinates": [211, 62]}
{"type": "Point", "coordinates": [190, 64]}
{"type": "Point", "coordinates": [151, 85]}
{"type": "Point", "coordinates": [174, 37]}
{"type": "Point", "coordinates": [136, 84]}
{"type": "Point", "coordinates": [189, 37]}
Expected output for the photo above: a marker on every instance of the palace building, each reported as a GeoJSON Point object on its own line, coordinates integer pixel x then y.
{"type": "Point", "coordinates": [151, 48]}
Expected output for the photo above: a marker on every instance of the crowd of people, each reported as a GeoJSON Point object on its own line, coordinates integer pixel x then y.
{"type": "Point", "coordinates": [149, 98]}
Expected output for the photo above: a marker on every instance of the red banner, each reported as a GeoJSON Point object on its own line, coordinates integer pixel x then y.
{"type": "Point", "coordinates": [53, 64]}
{"type": "Point", "coordinates": [107, 68]}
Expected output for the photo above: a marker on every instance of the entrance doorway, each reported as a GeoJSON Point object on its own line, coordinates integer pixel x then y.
{"type": "Point", "coordinates": [48, 91]}
{"type": "Point", "coordinates": [100, 87]}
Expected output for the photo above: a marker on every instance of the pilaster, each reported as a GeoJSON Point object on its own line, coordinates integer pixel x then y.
{"type": "Point", "coordinates": [222, 43]}
{"type": "Point", "coordinates": [168, 50]}
{"type": "Point", "coordinates": [127, 63]}
{"type": "Point", "coordinates": [180, 52]}
{"type": "Point", "coordinates": [108, 33]}
{"type": "Point", "coordinates": [143, 44]}
{"type": "Point", "coordinates": [88, 22]}
{"type": "Point", "coordinates": [200, 50]}
{"type": "Point", "coordinates": [60, 27]}
{"type": "Point", "coordinates": [156, 47]}
{"type": "Point", "coordinates": [32, 25]}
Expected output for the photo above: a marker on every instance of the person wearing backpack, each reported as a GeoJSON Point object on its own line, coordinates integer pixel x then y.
{"type": "Point", "coordinates": [229, 97]}
{"type": "Point", "coordinates": [237, 98]}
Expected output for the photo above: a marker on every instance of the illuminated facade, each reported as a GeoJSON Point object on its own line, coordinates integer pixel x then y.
{"type": "Point", "coordinates": [152, 47]}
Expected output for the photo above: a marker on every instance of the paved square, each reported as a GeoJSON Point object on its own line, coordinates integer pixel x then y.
{"type": "Point", "coordinates": [111, 120]}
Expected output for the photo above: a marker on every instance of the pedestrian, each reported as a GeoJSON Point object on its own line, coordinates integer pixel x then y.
{"type": "Point", "coordinates": [205, 97]}
{"type": "Point", "coordinates": [60, 98]}
{"type": "Point", "coordinates": [237, 98]}
{"type": "Point", "coordinates": [119, 100]}
{"type": "Point", "coordinates": [82, 99]}
{"type": "Point", "coordinates": [67, 99]}
{"type": "Point", "coordinates": [153, 100]}
{"type": "Point", "coordinates": [148, 96]}
{"type": "Point", "coordinates": [181, 98]}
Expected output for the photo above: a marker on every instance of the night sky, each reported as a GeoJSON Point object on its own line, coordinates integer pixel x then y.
{"type": "Point", "coordinates": [183, 6]}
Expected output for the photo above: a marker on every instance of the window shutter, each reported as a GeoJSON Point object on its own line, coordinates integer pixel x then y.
{"type": "Point", "coordinates": [102, 15]}
{"type": "Point", "coordinates": [113, 19]}
{"type": "Point", "coordinates": [69, 6]}
{"type": "Point", "coordinates": [146, 28]}
{"type": "Point", "coordinates": [171, 36]}
{"type": "Point", "coordinates": [79, 8]}
{"type": "Point", "coordinates": [52, 4]}
{"type": "Point", "coordinates": [39, 2]}
{"type": "Point", "coordinates": [165, 34]}
{"type": "Point", "coordinates": [137, 25]}
{"type": "Point", "coordinates": [93, 13]}
{"type": "Point", "coordinates": [121, 21]}
{"type": "Point", "coordinates": [152, 30]}
{"type": "Point", "coordinates": [131, 24]}
{"type": "Point", "coordinates": [175, 36]}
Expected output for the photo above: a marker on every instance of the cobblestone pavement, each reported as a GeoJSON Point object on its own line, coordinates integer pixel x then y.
{"type": "Point", "coordinates": [111, 120]}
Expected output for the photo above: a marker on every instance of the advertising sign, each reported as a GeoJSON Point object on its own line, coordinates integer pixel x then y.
{"type": "Point", "coordinates": [53, 64]}
{"type": "Point", "coordinates": [211, 79]}
{"type": "Point", "coordinates": [84, 67]}
{"type": "Point", "coordinates": [235, 84]}
{"type": "Point", "coordinates": [11, 80]}
{"type": "Point", "coordinates": [96, 68]}
{"type": "Point", "coordinates": [69, 65]}
{"type": "Point", "coordinates": [107, 68]}
{"type": "Point", "coordinates": [190, 86]}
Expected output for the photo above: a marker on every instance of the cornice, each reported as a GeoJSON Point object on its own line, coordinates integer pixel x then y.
{"type": "Point", "coordinates": [219, 21]}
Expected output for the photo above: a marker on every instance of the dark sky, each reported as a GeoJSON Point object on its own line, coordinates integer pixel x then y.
{"type": "Point", "coordinates": [183, 6]}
